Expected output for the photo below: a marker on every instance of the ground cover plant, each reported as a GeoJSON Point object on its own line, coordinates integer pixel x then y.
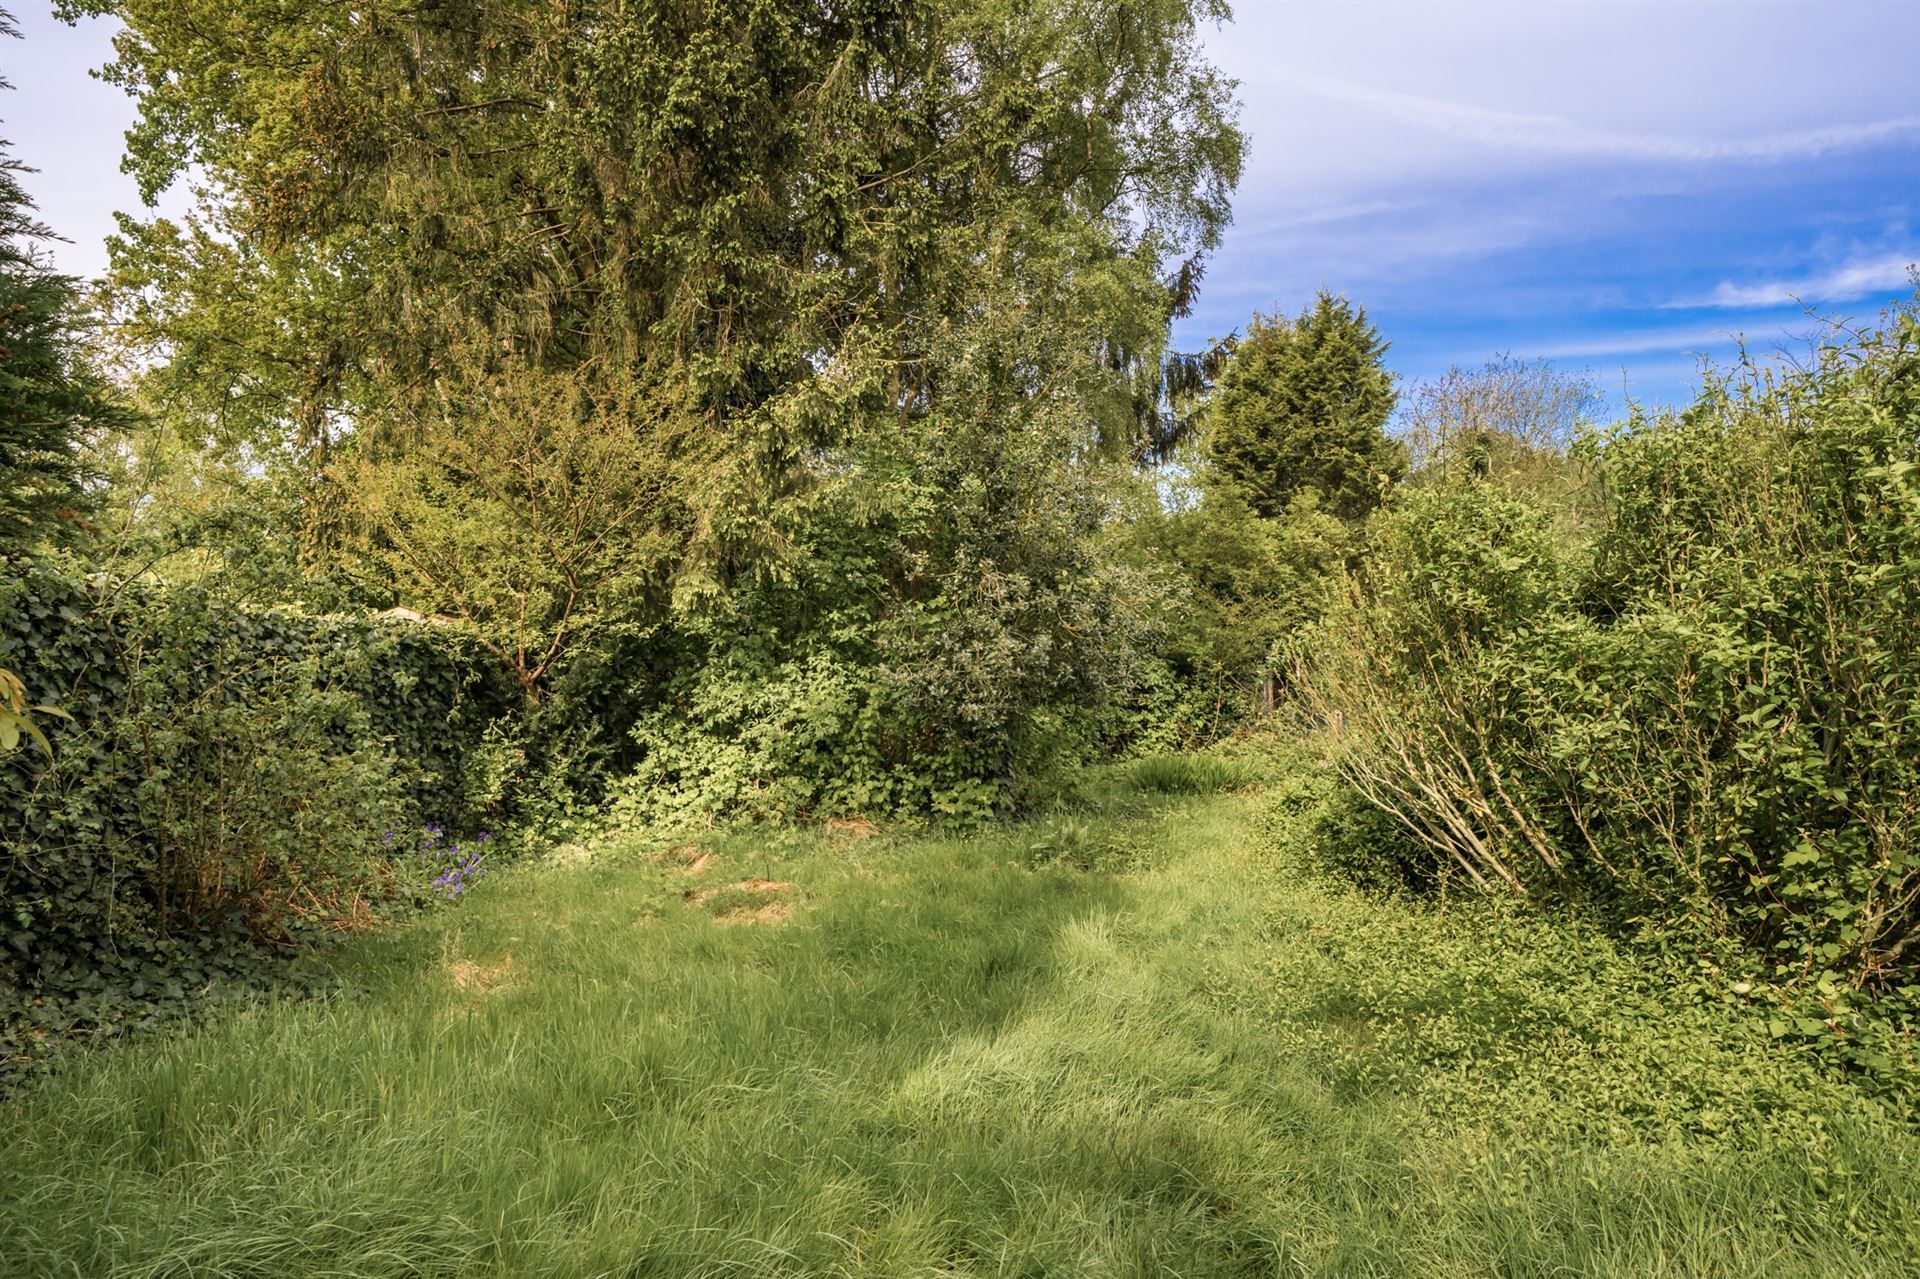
{"type": "Point", "coordinates": [1163, 1044]}
{"type": "Point", "coordinates": [629, 652]}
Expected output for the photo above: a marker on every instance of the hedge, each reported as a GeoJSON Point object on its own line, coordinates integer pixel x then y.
{"type": "Point", "coordinates": [228, 773]}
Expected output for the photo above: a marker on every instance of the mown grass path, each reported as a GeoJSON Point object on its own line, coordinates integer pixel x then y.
{"type": "Point", "coordinates": [1144, 1043]}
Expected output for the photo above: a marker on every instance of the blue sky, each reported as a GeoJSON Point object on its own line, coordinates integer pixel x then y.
{"type": "Point", "coordinates": [1620, 187]}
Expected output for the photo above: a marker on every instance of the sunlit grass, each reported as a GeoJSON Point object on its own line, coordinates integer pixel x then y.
{"type": "Point", "coordinates": [1167, 1051]}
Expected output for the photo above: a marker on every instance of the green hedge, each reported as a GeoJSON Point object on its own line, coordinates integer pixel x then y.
{"type": "Point", "coordinates": [229, 775]}
{"type": "Point", "coordinates": [1703, 715]}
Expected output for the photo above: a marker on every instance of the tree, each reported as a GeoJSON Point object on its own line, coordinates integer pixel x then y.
{"type": "Point", "coordinates": [1512, 422]}
{"type": "Point", "coordinates": [50, 399]}
{"type": "Point", "coordinates": [526, 511]}
{"type": "Point", "coordinates": [1303, 404]}
{"type": "Point", "coordinates": [788, 240]}
{"type": "Point", "coordinates": [763, 210]}
{"type": "Point", "coordinates": [1501, 416]}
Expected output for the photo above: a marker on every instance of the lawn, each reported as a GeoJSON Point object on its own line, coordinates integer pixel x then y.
{"type": "Point", "coordinates": [1142, 1037]}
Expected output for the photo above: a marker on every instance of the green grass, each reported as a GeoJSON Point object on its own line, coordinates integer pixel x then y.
{"type": "Point", "coordinates": [1146, 1040]}
{"type": "Point", "coordinates": [1190, 774]}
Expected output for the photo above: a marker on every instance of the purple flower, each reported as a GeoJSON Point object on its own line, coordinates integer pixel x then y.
{"type": "Point", "coordinates": [457, 867]}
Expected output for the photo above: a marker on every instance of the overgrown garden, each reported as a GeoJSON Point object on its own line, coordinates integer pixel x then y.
{"type": "Point", "coordinates": [620, 430]}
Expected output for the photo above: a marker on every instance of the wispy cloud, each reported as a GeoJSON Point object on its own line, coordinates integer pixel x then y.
{"type": "Point", "coordinates": [1845, 283]}
{"type": "Point", "coordinates": [1332, 216]}
{"type": "Point", "coordinates": [1561, 135]}
{"type": "Point", "coordinates": [1641, 341]}
{"type": "Point", "coordinates": [1368, 248]}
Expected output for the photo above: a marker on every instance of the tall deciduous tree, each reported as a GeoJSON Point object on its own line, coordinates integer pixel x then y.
{"type": "Point", "coordinates": [769, 225]}
{"type": "Point", "coordinates": [1303, 404]}
{"type": "Point", "coordinates": [1514, 422]}
{"type": "Point", "coordinates": [1499, 416]}
{"type": "Point", "coordinates": [763, 210]}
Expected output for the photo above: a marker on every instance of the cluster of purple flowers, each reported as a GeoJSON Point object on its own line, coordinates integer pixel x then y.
{"type": "Point", "coordinates": [451, 869]}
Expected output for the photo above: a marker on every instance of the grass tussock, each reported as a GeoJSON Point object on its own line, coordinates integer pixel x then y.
{"type": "Point", "coordinates": [1192, 774]}
{"type": "Point", "coordinates": [1190, 1054]}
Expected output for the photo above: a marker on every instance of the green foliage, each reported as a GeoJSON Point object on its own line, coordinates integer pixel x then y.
{"type": "Point", "coordinates": [51, 399]}
{"type": "Point", "coordinates": [969, 1056]}
{"type": "Point", "coordinates": [228, 777]}
{"type": "Point", "coordinates": [767, 217]}
{"type": "Point", "coordinates": [189, 511]}
{"type": "Point", "coordinates": [1534, 1021]}
{"type": "Point", "coordinates": [530, 508]}
{"type": "Point", "coordinates": [747, 735]}
{"type": "Point", "coordinates": [1303, 405]}
{"type": "Point", "coordinates": [1703, 718]}
{"type": "Point", "coordinates": [754, 378]}
{"type": "Point", "coordinates": [924, 657]}
{"type": "Point", "coordinates": [943, 634]}
{"type": "Point", "coordinates": [1360, 842]}
{"type": "Point", "coordinates": [1235, 591]}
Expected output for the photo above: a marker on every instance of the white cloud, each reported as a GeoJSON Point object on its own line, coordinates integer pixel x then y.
{"type": "Point", "coordinates": [1639, 341]}
{"type": "Point", "coordinates": [1560, 135]}
{"type": "Point", "coordinates": [1331, 216]}
{"type": "Point", "coordinates": [1846, 283]}
{"type": "Point", "coordinates": [1282, 261]}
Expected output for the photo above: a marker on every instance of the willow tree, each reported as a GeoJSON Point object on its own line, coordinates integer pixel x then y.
{"type": "Point", "coordinates": [766, 223]}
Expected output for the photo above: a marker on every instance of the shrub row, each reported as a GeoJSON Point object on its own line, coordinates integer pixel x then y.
{"type": "Point", "coordinates": [1705, 710]}
{"type": "Point", "coordinates": [229, 773]}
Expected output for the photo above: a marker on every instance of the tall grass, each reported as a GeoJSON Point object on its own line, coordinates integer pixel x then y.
{"type": "Point", "coordinates": [1191, 774]}
{"type": "Point", "coordinates": [955, 1057]}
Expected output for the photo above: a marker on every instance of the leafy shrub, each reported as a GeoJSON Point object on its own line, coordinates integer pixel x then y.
{"type": "Point", "coordinates": [227, 776]}
{"type": "Point", "coordinates": [1712, 714]}
{"type": "Point", "coordinates": [752, 735]}
{"type": "Point", "coordinates": [1233, 590]}
{"type": "Point", "coordinates": [1361, 842]}
{"type": "Point", "coordinates": [857, 715]}
{"type": "Point", "coordinates": [1414, 672]}
{"type": "Point", "coordinates": [1535, 1022]}
{"type": "Point", "coordinates": [918, 657]}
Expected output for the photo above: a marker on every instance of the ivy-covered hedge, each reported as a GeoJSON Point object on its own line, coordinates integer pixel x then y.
{"type": "Point", "coordinates": [229, 774]}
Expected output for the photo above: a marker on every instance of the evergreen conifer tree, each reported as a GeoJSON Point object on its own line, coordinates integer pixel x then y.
{"type": "Point", "coordinates": [49, 399]}
{"type": "Point", "coordinates": [1303, 404]}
